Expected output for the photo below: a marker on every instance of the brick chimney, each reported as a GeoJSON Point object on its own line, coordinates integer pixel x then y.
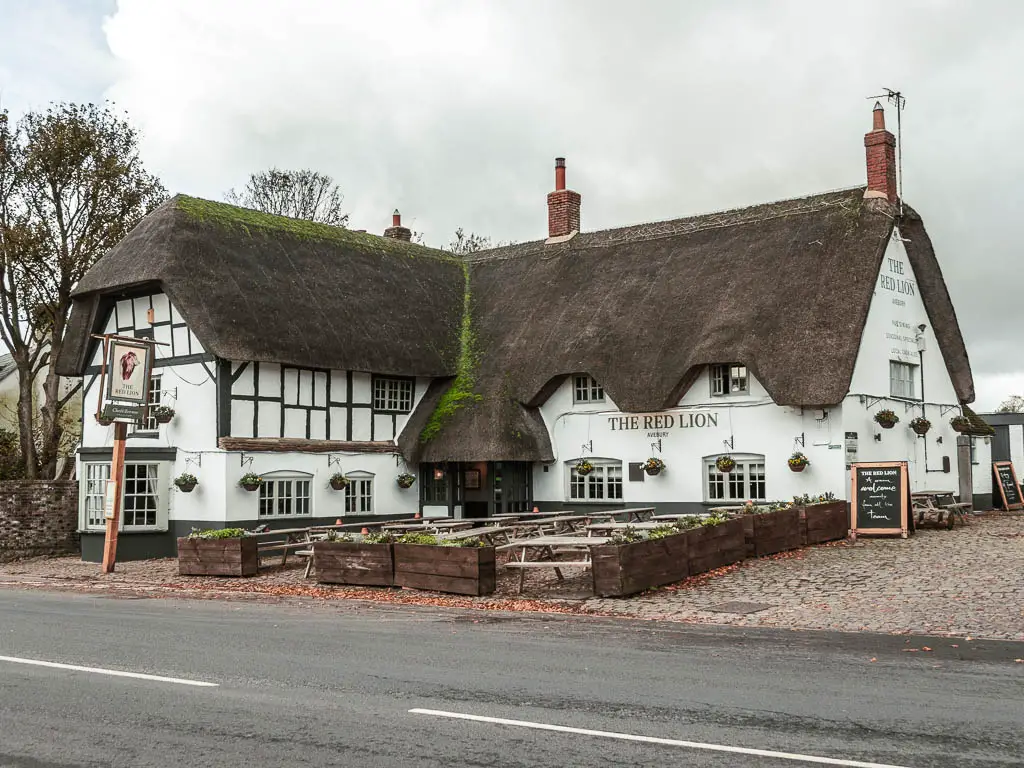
{"type": "Point", "coordinates": [880, 146]}
{"type": "Point", "coordinates": [396, 230]}
{"type": "Point", "coordinates": [563, 206]}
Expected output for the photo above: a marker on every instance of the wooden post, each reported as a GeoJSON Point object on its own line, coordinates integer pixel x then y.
{"type": "Point", "coordinates": [117, 479]}
{"type": "Point", "coordinates": [965, 469]}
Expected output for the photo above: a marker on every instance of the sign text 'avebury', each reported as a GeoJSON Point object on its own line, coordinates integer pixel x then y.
{"type": "Point", "coordinates": [663, 421]}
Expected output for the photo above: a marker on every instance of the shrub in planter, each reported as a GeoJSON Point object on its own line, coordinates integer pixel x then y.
{"type": "Point", "coordinates": [822, 518]}
{"type": "Point", "coordinates": [725, 463]}
{"type": "Point", "coordinates": [405, 480]}
{"type": "Point", "coordinates": [250, 481]}
{"type": "Point", "coordinates": [223, 552]}
{"type": "Point", "coordinates": [920, 425]}
{"type": "Point", "coordinates": [343, 560]}
{"type": "Point", "coordinates": [715, 542]}
{"type": "Point", "coordinates": [584, 467]}
{"type": "Point", "coordinates": [629, 563]}
{"type": "Point", "coordinates": [886, 419]}
{"type": "Point", "coordinates": [960, 423]}
{"type": "Point", "coordinates": [186, 482]}
{"type": "Point", "coordinates": [771, 530]}
{"type": "Point", "coordinates": [162, 413]}
{"type": "Point", "coordinates": [654, 466]}
{"type": "Point", "coordinates": [463, 567]}
{"type": "Point", "coordinates": [798, 462]}
{"type": "Point", "coordinates": [339, 482]}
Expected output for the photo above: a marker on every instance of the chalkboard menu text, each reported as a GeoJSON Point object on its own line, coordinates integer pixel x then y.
{"type": "Point", "coordinates": [879, 498]}
{"type": "Point", "coordinates": [1006, 481]}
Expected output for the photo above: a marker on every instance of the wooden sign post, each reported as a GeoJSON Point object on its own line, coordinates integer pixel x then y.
{"type": "Point", "coordinates": [879, 499]}
{"type": "Point", "coordinates": [1006, 481]}
{"type": "Point", "coordinates": [127, 368]}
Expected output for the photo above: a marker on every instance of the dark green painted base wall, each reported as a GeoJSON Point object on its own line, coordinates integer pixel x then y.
{"type": "Point", "coordinates": [146, 546]}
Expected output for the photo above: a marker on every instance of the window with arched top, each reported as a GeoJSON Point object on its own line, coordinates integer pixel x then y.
{"type": "Point", "coordinates": [284, 493]}
{"type": "Point", "coordinates": [359, 493]}
{"type": "Point", "coordinates": [746, 481]}
{"type": "Point", "coordinates": [602, 483]}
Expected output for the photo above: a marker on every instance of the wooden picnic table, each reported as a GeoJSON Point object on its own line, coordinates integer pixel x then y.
{"type": "Point", "coordinates": [553, 525]}
{"type": "Point", "coordinates": [544, 553]}
{"type": "Point", "coordinates": [933, 506]}
{"type": "Point", "coordinates": [618, 526]}
{"type": "Point", "coordinates": [493, 519]}
{"type": "Point", "coordinates": [495, 535]}
{"type": "Point", "coordinates": [636, 514]}
{"type": "Point", "coordinates": [294, 540]}
{"type": "Point", "coordinates": [681, 516]}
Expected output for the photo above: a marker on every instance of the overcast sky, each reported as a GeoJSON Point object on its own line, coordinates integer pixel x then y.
{"type": "Point", "coordinates": [453, 111]}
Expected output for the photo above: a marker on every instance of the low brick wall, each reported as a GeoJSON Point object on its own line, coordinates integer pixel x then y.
{"type": "Point", "coordinates": [38, 518]}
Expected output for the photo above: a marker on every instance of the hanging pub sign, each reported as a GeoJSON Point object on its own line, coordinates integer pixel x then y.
{"type": "Point", "coordinates": [1006, 481]}
{"type": "Point", "coordinates": [879, 498]}
{"type": "Point", "coordinates": [128, 371]}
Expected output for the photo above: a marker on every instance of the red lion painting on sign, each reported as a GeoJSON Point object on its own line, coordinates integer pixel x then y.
{"type": "Point", "coordinates": [129, 361]}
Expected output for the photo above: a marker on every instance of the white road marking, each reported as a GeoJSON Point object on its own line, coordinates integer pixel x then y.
{"type": "Point", "coordinates": [111, 672]}
{"type": "Point", "coordinates": [655, 740]}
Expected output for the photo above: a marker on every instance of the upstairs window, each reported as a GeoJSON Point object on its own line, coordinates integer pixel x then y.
{"type": "Point", "coordinates": [392, 395]}
{"type": "Point", "coordinates": [729, 379]}
{"type": "Point", "coordinates": [149, 424]}
{"type": "Point", "coordinates": [901, 380]}
{"type": "Point", "coordinates": [587, 390]}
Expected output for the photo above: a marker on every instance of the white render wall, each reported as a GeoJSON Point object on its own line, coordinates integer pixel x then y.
{"type": "Point", "coordinates": [755, 423]}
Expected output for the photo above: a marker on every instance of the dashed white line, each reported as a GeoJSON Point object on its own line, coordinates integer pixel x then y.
{"type": "Point", "coordinates": [111, 672]}
{"type": "Point", "coordinates": [655, 740]}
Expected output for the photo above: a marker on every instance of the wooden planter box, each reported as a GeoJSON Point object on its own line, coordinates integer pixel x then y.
{"type": "Point", "coordinates": [460, 570]}
{"type": "Point", "coordinates": [217, 557]}
{"type": "Point", "coordinates": [625, 569]}
{"type": "Point", "coordinates": [771, 532]}
{"type": "Point", "coordinates": [829, 521]}
{"type": "Point", "coordinates": [715, 546]}
{"type": "Point", "coordinates": [352, 562]}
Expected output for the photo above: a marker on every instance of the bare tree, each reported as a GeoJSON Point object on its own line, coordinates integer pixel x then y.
{"type": "Point", "coordinates": [1012, 404]}
{"type": "Point", "coordinates": [71, 186]}
{"type": "Point", "coordinates": [303, 194]}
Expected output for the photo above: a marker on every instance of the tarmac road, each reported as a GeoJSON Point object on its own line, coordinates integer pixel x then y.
{"type": "Point", "coordinates": [314, 684]}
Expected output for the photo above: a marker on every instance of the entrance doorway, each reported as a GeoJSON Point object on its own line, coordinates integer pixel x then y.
{"type": "Point", "coordinates": [476, 489]}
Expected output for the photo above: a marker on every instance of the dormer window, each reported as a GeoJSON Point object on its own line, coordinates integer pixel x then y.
{"type": "Point", "coordinates": [392, 395]}
{"type": "Point", "coordinates": [729, 379]}
{"type": "Point", "coordinates": [587, 390]}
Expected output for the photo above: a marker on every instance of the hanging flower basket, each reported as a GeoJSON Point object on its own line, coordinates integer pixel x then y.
{"type": "Point", "coordinates": [798, 462]}
{"type": "Point", "coordinates": [920, 425]}
{"type": "Point", "coordinates": [251, 481]}
{"type": "Point", "coordinates": [886, 419]}
{"type": "Point", "coordinates": [339, 482]}
{"type": "Point", "coordinates": [654, 466]}
{"type": "Point", "coordinates": [103, 421]}
{"type": "Point", "coordinates": [186, 483]}
{"type": "Point", "coordinates": [725, 463]}
{"type": "Point", "coordinates": [405, 480]}
{"type": "Point", "coordinates": [162, 413]}
{"type": "Point", "coordinates": [584, 467]}
{"type": "Point", "coordinates": [960, 423]}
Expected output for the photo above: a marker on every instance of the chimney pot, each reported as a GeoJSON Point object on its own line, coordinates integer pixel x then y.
{"type": "Point", "coordinates": [563, 205]}
{"type": "Point", "coordinates": [878, 117]}
{"type": "Point", "coordinates": [396, 230]}
{"type": "Point", "coordinates": [396, 219]}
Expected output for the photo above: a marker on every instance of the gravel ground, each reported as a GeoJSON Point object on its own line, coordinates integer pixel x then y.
{"type": "Point", "coordinates": [965, 582]}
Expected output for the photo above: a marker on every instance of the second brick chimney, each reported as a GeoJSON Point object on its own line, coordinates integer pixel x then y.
{"type": "Point", "coordinates": [880, 147]}
{"type": "Point", "coordinates": [396, 230]}
{"type": "Point", "coordinates": [563, 206]}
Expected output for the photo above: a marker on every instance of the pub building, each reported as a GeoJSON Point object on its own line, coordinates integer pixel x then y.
{"type": "Point", "coordinates": [297, 351]}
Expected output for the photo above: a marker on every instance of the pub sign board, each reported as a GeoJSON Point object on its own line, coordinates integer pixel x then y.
{"type": "Point", "coordinates": [129, 366]}
{"type": "Point", "coordinates": [1006, 481]}
{"type": "Point", "coordinates": [879, 498]}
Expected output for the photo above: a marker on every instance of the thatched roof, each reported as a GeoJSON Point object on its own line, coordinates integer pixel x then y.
{"type": "Point", "coordinates": [784, 288]}
{"type": "Point", "coordinates": [979, 427]}
{"type": "Point", "coordinates": [253, 286]}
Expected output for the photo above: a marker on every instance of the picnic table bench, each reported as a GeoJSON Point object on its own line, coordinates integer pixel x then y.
{"type": "Point", "coordinates": [494, 535]}
{"type": "Point", "coordinates": [269, 542]}
{"type": "Point", "coordinates": [545, 549]}
{"type": "Point", "coordinates": [618, 526]}
{"type": "Point", "coordinates": [939, 505]}
{"type": "Point", "coordinates": [636, 514]}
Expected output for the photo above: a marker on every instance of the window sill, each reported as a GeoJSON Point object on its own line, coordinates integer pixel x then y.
{"type": "Point", "coordinates": [596, 502]}
{"type": "Point", "coordinates": [380, 412]}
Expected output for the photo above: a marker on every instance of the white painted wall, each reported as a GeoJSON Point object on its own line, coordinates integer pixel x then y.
{"type": "Point", "coordinates": [756, 424]}
{"type": "Point", "coordinates": [890, 333]}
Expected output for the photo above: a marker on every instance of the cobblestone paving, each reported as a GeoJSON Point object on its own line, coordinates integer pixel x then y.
{"type": "Point", "coordinates": [969, 581]}
{"type": "Point", "coordinates": [965, 582]}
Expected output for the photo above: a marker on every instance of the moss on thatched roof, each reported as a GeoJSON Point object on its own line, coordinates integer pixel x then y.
{"type": "Point", "coordinates": [253, 286]}
{"type": "Point", "coordinates": [979, 427]}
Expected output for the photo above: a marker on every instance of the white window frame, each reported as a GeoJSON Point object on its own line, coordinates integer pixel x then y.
{"type": "Point", "coordinates": [739, 485]}
{"type": "Point", "coordinates": [729, 379]}
{"type": "Point", "coordinates": [359, 493]}
{"type": "Point", "coordinates": [291, 491]}
{"type": "Point", "coordinates": [393, 394]}
{"type": "Point", "coordinates": [603, 485]}
{"type": "Point", "coordinates": [150, 424]}
{"type": "Point", "coordinates": [585, 389]}
{"type": "Point", "coordinates": [903, 380]}
{"type": "Point", "coordinates": [92, 492]}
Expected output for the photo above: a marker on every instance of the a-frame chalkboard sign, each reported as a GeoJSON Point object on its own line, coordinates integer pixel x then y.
{"type": "Point", "coordinates": [879, 498]}
{"type": "Point", "coordinates": [1006, 481]}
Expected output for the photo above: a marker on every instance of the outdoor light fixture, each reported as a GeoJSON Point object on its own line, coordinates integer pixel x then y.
{"type": "Point", "coordinates": [438, 473]}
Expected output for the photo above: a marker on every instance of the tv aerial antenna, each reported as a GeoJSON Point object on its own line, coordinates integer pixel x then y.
{"type": "Point", "coordinates": [897, 99]}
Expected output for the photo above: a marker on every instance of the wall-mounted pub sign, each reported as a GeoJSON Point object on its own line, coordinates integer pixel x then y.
{"type": "Point", "coordinates": [128, 371]}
